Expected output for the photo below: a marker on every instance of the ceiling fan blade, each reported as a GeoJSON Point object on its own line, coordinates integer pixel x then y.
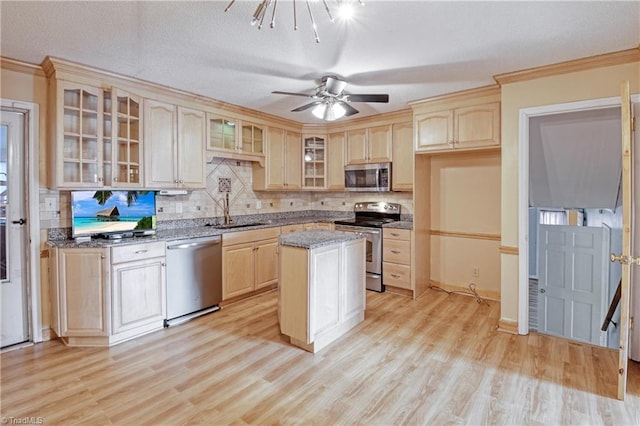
{"type": "Point", "coordinates": [334, 86]}
{"type": "Point", "coordinates": [350, 110]}
{"type": "Point", "coordinates": [278, 92]}
{"type": "Point", "coordinates": [307, 106]}
{"type": "Point", "coordinates": [368, 98]}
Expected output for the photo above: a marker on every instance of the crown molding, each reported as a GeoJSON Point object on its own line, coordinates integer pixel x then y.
{"type": "Point", "coordinates": [490, 90]}
{"type": "Point", "coordinates": [605, 60]}
{"type": "Point", "coordinates": [22, 67]}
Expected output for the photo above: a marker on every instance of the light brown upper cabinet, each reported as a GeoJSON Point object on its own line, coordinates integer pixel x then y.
{"type": "Point", "coordinates": [97, 137]}
{"type": "Point", "coordinates": [336, 160]}
{"type": "Point", "coordinates": [77, 135]}
{"type": "Point", "coordinates": [175, 141]}
{"type": "Point", "coordinates": [234, 138]}
{"type": "Point", "coordinates": [402, 167]}
{"type": "Point", "coordinates": [122, 140]}
{"type": "Point", "coordinates": [314, 161]}
{"type": "Point", "coordinates": [471, 127]}
{"type": "Point", "coordinates": [283, 162]}
{"type": "Point", "coordinates": [372, 145]}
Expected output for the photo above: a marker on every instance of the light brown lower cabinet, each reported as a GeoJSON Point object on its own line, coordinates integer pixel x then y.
{"type": "Point", "coordinates": [396, 258]}
{"type": "Point", "coordinates": [103, 296]}
{"type": "Point", "coordinates": [249, 261]}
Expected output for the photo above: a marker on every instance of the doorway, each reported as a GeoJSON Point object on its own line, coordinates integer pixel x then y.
{"type": "Point", "coordinates": [19, 225]}
{"type": "Point", "coordinates": [13, 282]}
{"type": "Point", "coordinates": [526, 230]}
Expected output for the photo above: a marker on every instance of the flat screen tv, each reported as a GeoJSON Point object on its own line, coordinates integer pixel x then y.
{"type": "Point", "coordinates": [112, 212]}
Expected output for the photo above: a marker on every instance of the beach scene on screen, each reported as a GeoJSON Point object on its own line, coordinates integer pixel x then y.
{"type": "Point", "coordinates": [116, 214]}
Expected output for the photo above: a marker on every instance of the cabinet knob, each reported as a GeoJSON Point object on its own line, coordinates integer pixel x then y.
{"type": "Point", "coordinates": [395, 252]}
{"type": "Point", "coordinates": [395, 275]}
{"type": "Point", "coordinates": [115, 179]}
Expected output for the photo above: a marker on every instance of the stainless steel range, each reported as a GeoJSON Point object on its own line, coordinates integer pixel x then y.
{"type": "Point", "coordinates": [370, 216]}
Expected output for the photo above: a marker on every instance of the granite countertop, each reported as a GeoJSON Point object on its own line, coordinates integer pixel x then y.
{"type": "Point", "coordinates": [318, 238]}
{"type": "Point", "coordinates": [185, 233]}
{"type": "Point", "coordinates": [399, 225]}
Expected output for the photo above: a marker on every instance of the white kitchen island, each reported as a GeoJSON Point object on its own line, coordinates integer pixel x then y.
{"type": "Point", "coordinates": [322, 286]}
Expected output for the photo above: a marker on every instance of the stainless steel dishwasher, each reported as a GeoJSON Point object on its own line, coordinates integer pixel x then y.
{"type": "Point", "coordinates": [194, 278]}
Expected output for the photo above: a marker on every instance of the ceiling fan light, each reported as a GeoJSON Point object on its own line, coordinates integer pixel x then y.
{"type": "Point", "coordinates": [338, 111]}
{"type": "Point", "coordinates": [319, 110]}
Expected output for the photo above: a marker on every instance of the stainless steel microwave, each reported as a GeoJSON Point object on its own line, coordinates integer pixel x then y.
{"type": "Point", "coordinates": [368, 177]}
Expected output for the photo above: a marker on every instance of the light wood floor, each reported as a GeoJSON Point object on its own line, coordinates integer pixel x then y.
{"type": "Point", "coordinates": [436, 360]}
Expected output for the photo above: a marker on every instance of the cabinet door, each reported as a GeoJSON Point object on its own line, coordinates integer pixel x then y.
{"type": "Point", "coordinates": [221, 134]}
{"type": "Point", "coordinates": [477, 126]}
{"type": "Point", "coordinates": [138, 294]}
{"type": "Point", "coordinates": [325, 284]}
{"type": "Point", "coordinates": [379, 149]}
{"type": "Point", "coordinates": [125, 142]}
{"type": "Point", "coordinates": [83, 292]}
{"type": "Point", "coordinates": [293, 161]}
{"type": "Point", "coordinates": [357, 146]}
{"type": "Point", "coordinates": [314, 164]}
{"type": "Point", "coordinates": [402, 167]}
{"type": "Point", "coordinates": [274, 165]}
{"type": "Point", "coordinates": [251, 139]}
{"type": "Point", "coordinates": [434, 131]}
{"type": "Point", "coordinates": [266, 262]}
{"type": "Point", "coordinates": [160, 147]}
{"type": "Point", "coordinates": [78, 136]}
{"type": "Point", "coordinates": [354, 283]}
{"type": "Point", "coordinates": [336, 161]}
{"type": "Point", "coordinates": [238, 274]}
{"type": "Point", "coordinates": [190, 149]}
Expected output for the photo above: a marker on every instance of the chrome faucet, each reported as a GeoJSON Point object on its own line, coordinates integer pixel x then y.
{"type": "Point", "coordinates": [225, 210]}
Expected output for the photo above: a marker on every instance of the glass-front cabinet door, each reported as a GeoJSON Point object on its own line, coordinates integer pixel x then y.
{"type": "Point", "coordinates": [98, 138]}
{"type": "Point", "coordinates": [314, 163]}
{"type": "Point", "coordinates": [123, 138]}
{"type": "Point", "coordinates": [222, 134]}
{"type": "Point", "coordinates": [78, 135]}
{"type": "Point", "coordinates": [252, 141]}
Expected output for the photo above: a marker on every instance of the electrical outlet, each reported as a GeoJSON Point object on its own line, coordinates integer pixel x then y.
{"type": "Point", "coordinates": [178, 207]}
{"type": "Point", "coordinates": [258, 204]}
{"type": "Point", "coordinates": [475, 272]}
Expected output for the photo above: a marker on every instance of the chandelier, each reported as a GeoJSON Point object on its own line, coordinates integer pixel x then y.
{"type": "Point", "coordinates": [342, 8]}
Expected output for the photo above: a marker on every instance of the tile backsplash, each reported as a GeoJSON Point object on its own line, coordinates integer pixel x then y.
{"type": "Point", "coordinates": [55, 208]}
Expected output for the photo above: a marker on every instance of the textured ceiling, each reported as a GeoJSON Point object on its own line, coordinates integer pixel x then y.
{"type": "Point", "coordinates": [409, 49]}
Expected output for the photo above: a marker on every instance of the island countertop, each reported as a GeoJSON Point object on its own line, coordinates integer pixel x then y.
{"type": "Point", "coordinates": [317, 238]}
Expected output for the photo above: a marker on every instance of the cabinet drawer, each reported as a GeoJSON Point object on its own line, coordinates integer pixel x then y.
{"type": "Point", "coordinates": [137, 252]}
{"type": "Point", "coordinates": [250, 236]}
{"type": "Point", "coordinates": [396, 234]}
{"type": "Point", "coordinates": [287, 229]}
{"type": "Point", "coordinates": [397, 251]}
{"type": "Point", "coordinates": [396, 275]}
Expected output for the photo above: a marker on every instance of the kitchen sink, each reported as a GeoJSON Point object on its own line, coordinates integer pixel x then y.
{"type": "Point", "coordinates": [234, 225]}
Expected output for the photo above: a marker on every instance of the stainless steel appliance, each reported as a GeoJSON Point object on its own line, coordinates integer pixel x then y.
{"type": "Point", "coordinates": [369, 218]}
{"type": "Point", "coordinates": [374, 177]}
{"type": "Point", "coordinates": [194, 278]}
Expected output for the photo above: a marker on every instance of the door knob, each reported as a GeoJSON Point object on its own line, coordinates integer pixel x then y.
{"type": "Point", "coordinates": [20, 222]}
{"type": "Point", "coordinates": [625, 260]}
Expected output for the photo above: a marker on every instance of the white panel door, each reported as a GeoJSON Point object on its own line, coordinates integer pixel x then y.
{"type": "Point", "coordinates": [573, 281]}
{"type": "Point", "coordinates": [13, 283]}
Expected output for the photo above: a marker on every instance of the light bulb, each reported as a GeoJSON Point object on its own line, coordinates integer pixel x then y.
{"type": "Point", "coordinates": [319, 110]}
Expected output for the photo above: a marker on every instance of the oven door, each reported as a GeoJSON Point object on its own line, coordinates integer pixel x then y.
{"type": "Point", "coordinates": [374, 253]}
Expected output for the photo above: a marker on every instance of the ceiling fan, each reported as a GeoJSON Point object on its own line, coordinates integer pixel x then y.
{"type": "Point", "coordinates": [330, 102]}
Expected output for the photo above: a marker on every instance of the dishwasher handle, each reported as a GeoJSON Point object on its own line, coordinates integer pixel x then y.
{"type": "Point", "coordinates": [192, 245]}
